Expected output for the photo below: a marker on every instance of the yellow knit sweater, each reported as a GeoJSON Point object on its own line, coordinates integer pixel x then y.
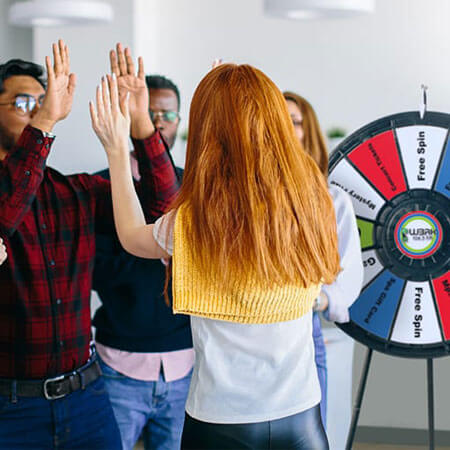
{"type": "Point", "coordinates": [197, 292]}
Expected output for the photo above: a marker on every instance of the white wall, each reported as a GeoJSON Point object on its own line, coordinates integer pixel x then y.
{"type": "Point", "coordinates": [76, 148]}
{"type": "Point", "coordinates": [15, 42]}
{"type": "Point", "coordinates": [353, 71]}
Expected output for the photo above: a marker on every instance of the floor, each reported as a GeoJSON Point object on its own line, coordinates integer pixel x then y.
{"type": "Point", "coordinates": [360, 446]}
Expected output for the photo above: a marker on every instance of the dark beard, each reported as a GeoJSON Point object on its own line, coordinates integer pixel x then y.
{"type": "Point", "coordinates": [6, 139]}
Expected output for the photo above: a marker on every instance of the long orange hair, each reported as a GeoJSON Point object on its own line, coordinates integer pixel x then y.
{"type": "Point", "coordinates": [313, 139]}
{"type": "Point", "coordinates": [257, 202]}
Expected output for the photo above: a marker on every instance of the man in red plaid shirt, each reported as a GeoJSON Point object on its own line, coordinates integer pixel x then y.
{"type": "Point", "coordinates": [50, 390]}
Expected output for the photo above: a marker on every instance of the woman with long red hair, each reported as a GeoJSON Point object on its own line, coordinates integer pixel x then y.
{"type": "Point", "coordinates": [252, 236]}
{"type": "Point", "coordinates": [334, 299]}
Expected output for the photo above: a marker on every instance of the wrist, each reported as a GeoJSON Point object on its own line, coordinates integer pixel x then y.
{"type": "Point", "coordinates": [44, 124]}
{"type": "Point", "coordinates": [141, 126]}
{"type": "Point", "coordinates": [117, 154]}
{"type": "Point", "coordinates": [320, 303]}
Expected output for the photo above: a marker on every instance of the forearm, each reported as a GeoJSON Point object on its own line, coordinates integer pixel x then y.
{"type": "Point", "coordinates": [159, 183]}
{"type": "Point", "coordinates": [141, 126]}
{"type": "Point", "coordinates": [128, 214]}
{"type": "Point", "coordinates": [43, 124]}
{"type": "Point", "coordinates": [21, 174]}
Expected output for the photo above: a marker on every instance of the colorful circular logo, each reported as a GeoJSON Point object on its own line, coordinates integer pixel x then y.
{"type": "Point", "coordinates": [418, 234]}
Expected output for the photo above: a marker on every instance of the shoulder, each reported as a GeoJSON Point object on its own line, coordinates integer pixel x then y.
{"type": "Point", "coordinates": [341, 199]}
{"type": "Point", "coordinates": [103, 173]}
{"type": "Point", "coordinates": [163, 231]}
{"type": "Point", "coordinates": [88, 181]}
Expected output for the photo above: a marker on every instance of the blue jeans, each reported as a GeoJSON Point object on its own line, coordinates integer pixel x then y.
{"type": "Point", "coordinates": [81, 420]}
{"type": "Point", "coordinates": [321, 364]}
{"type": "Point", "coordinates": [153, 408]}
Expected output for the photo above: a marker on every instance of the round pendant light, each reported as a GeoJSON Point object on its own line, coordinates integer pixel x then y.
{"type": "Point", "coordinates": [318, 9]}
{"type": "Point", "coordinates": [47, 13]}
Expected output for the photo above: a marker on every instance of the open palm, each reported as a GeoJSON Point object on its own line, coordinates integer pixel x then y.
{"type": "Point", "coordinates": [128, 81]}
{"type": "Point", "coordinates": [61, 85]}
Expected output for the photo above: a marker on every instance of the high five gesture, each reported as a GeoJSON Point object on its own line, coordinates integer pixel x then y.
{"type": "Point", "coordinates": [128, 81]}
{"type": "Point", "coordinates": [111, 118]}
{"type": "Point", "coordinates": [60, 89]}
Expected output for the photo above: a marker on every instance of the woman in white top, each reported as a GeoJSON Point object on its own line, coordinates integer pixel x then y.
{"type": "Point", "coordinates": [335, 299]}
{"type": "Point", "coordinates": [253, 236]}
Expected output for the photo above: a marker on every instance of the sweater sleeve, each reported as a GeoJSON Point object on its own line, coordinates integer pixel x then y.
{"type": "Point", "coordinates": [347, 286]}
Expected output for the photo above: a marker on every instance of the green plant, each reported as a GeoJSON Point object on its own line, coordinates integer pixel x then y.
{"type": "Point", "coordinates": [183, 135]}
{"type": "Point", "coordinates": [336, 132]}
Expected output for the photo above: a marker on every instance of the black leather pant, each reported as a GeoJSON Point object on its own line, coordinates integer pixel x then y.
{"type": "Point", "coordinates": [303, 431]}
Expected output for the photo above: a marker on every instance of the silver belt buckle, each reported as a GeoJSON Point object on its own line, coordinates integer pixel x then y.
{"type": "Point", "coordinates": [50, 380]}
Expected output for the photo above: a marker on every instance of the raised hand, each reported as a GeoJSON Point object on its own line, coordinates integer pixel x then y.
{"type": "Point", "coordinates": [60, 89]}
{"type": "Point", "coordinates": [3, 254]}
{"type": "Point", "coordinates": [216, 63]}
{"type": "Point", "coordinates": [132, 83]}
{"type": "Point", "coordinates": [111, 118]}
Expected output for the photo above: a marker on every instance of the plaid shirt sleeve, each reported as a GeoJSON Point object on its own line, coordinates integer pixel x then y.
{"type": "Point", "coordinates": [156, 188]}
{"type": "Point", "coordinates": [21, 174]}
{"type": "Point", "coordinates": [159, 183]}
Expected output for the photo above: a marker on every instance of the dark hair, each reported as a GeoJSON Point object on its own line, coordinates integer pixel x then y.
{"type": "Point", "coordinates": [160, 82]}
{"type": "Point", "coordinates": [21, 67]}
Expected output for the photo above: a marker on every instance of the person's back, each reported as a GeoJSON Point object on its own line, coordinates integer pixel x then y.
{"type": "Point", "coordinates": [253, 235]}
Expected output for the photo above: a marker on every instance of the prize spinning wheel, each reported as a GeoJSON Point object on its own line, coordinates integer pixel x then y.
{"type": "Point", "coordinates": [397, 172]}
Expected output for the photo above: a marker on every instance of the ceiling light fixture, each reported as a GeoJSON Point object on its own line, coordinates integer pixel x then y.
{"type": "Point", "coordinates": [318, 9]}
{"type": "Point", "coordinates": [47, 13]}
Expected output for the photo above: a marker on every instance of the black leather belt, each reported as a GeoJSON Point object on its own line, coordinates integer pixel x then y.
{"type": "Point", "coordinates": [52, 388]}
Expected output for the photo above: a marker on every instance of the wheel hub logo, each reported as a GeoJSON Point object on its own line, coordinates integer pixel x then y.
{"type": "Point", "coordinates": [418, 234]}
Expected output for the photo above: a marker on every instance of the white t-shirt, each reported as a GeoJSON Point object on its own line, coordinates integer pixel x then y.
{"type": "Point", "coordinates": [249, 373]}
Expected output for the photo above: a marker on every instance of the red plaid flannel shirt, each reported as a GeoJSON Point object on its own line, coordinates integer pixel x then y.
{"type": "Point", "coordinates": [48, 222]}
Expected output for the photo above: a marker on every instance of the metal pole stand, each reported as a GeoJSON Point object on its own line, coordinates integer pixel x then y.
{"type": "Point", "coordinates": [359, 397]}
{"type": "Point", "coordinates": [430, 403]}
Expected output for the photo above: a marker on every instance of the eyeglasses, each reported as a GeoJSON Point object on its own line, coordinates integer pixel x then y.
{"type": "Point", "coordinates": [165, 116]}
{"type": "Point", "coordinates": [25, 103]}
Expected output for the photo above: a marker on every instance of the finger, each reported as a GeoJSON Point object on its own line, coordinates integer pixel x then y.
{"type": "Point", "coordinates": [121, 59]}
{"type": "Point", "coordinates": [217, 62]}
{"type": "Point", "coordinates": [129, 61]}
{"type": "Point", "coordinates": [50, 71]}
{"type": "Point", "coordinates": [1, 241]}
{"type": "Point", "coordinates": [125, 106]}
{"type": "Point", "coordinates": [99, 100]}
{"type": "Point", "coordinates": [141, 72]}
{"type": "Point", "coordinates": [57, 64]}
{"type": "Point", "coordinates": [67, 58]}
{"type": "Point", "coordinates": [72, 83]}
{"type": "Point", "coordinates": [62, 54]}
{"type": "Point", "coordinates": [112, 81]}
{"type": "Point", "coordinates": [94, 116]}
{"type": "Point", "coordinates": [114, 64]}
{"type": "Point", "coordinates": [106, 97]}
